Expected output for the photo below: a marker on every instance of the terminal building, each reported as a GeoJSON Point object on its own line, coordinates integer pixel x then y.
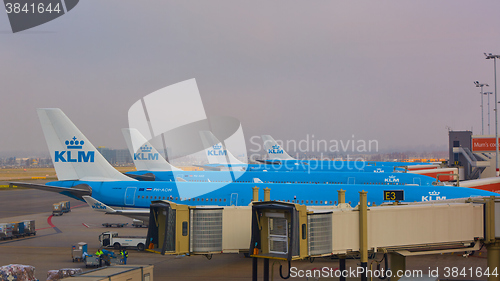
{"type": "Point", "coordinates": [473, 154]}
{"type": "Point", "coordinates": [115, 156]}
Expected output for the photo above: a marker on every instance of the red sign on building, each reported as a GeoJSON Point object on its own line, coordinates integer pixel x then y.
{"type": "Point", "coordinates": [483, 144]}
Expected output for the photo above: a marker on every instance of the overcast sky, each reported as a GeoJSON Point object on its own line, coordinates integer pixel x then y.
{"type": "Point", "coordinates": [400, 72]}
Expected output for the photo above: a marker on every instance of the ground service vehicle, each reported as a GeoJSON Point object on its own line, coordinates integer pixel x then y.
{"type": "Point", "coordinates": [112, 240]}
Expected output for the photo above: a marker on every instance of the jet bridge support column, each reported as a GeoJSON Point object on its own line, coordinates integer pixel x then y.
{"type": "Point", "coordinates": [341, 196]}
{"type": "Point", "coordinates": [255, 194]}
{"type": "Point", "coordinates": [254, 268]}
{"type": "Point", "coordinates": [398, 262]}
{"type": "Point", "coordinates": [342, 267]}
{"type": "Point", "coordinates": [266, 269]}
{"type": "Point", "coordinates": [363, 232]}
{"type": "Point", "coordinates": [267, 194]}
{"type": "Point", "coordinates": [492, 244]}
{"type": "Point", "coordinates": [493, 259]}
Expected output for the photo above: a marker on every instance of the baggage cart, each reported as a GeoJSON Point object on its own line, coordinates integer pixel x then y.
{"type": "Point", "coordinates": [65, 206]}
{"type": "Point", "coordinates": [29, 227]}
{"type": "Point", "coordinates": [17, 229]}
{"type": "Point", "coordinates": [91, 261]}
{"type": "Point", "coordinates": [107, 224]}
{"type": "Point", "coordinates": [76, 255]}
{"type": "Point", "coordinates": [78, 252]}
{"type": "Point", "coordinates": [5, 231]}
{"type": "Point", "coordinates": [57, 209]}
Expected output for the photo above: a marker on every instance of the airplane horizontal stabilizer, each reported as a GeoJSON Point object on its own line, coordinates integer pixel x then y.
{"type": "Point", "coordinates": [143, 177]}
{"type": "Point", "coordinates": [96, 205]}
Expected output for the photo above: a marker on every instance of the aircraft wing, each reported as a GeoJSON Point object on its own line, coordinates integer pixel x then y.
{"type": "Point", "coordinates": [77, 191]}
{"type": "Point", "coordinates": [96, 205]}
{"type": "Point", "coordinates": [143, 177]}
{"type": "Point", "coordinates": [222, 167]}
{"type": "Point", "coordinates": [211, 168]}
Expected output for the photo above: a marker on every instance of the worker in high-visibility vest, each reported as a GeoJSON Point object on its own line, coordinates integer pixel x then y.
{"type": "Point", "coordinates": [99, 254]}
{"type": "Point", "coordinates": [124, 254]}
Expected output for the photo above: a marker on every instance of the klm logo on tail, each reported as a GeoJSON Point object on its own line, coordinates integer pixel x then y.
{"type": "Point", "coordinates": [78, 155]}
{"type": "Point", "coordinates": [217, 151]}
{"type": "Point", "coordinates": [275, 150]}
{"type": "Point", "coordinates": [146, 154]}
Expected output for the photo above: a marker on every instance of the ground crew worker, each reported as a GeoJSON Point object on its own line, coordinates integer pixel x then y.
{"type": "Point", "coordinates": [99, 254]}
{"type": "Point", "coordinates": [124, 254]}
{"type": "Point", "coordinates": [151, 245]}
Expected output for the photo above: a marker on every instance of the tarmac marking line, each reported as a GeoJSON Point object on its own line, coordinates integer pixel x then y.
{"type": "Point", "coordinates": [49, 221]}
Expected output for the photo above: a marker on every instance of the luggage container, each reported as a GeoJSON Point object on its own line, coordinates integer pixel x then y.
{"type": "Point", "coordinates": [78, 251]}
{"type": "Point", "coordinates": [29, 227]}
{"type": "Point", "coordinates": [65, 206]}
{"type": "Point", "coordinates": [91, 261]}
{"type": "Point", "coordinates": [57, 209]}
{"type": "Point", "coordinates": [5, 231]}
{"type": "Point", "coordinates": [17, 229]}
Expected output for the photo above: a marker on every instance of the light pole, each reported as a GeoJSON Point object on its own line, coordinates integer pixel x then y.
{"type": "Point", "coordinates": [488, 93]}
{"type": "Point", "coordinates": [482, 108]}
{"type": "Point", "coordinates": [495, 57]}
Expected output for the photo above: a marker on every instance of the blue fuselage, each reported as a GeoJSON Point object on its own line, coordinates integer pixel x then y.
{"type": "Point", "coordinates": [291, 177]}
{"type": "Point", "coordinates": [139, 194]}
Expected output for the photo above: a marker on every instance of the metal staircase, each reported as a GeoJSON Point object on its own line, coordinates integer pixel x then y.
{"type": "Point", "coordinates": [478, 165]}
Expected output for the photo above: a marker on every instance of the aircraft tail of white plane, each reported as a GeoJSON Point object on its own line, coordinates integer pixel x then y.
{"type": "Point", "coordinates": [144, 155]}
{"type": "Point", "coordinates": [74, 157]}
{"type": "Point", "coordinates": [274, 150]}
{"type": "Point", "coordinates": [216, 152]}
{"type": "Point", "coordinates": [97, 205]}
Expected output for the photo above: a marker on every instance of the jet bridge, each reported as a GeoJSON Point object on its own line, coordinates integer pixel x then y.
{"type": "Point", "coordinates": [288, 232]}
{"type": "Point", "coordinates": [176, 229]}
